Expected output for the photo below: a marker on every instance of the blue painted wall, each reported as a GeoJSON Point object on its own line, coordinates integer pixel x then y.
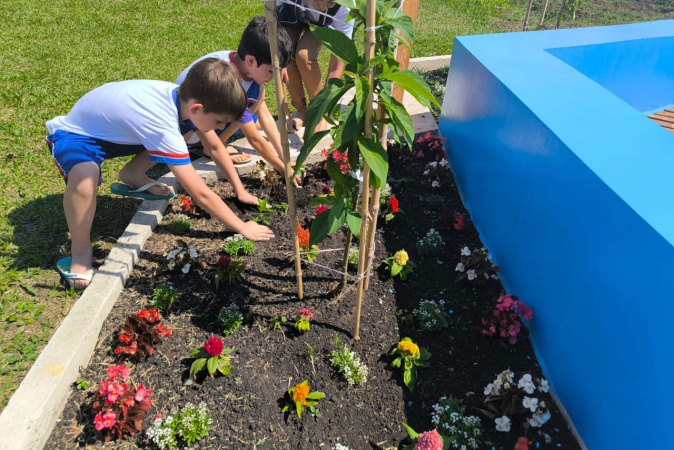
{"type": "Point", "coordinates": [571, 189]}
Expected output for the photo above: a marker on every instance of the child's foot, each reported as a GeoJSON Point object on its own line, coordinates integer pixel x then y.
{"type": "Point", "coordinates": [76, 271]}
{"type": "Point", "coordinates": [136, 181]}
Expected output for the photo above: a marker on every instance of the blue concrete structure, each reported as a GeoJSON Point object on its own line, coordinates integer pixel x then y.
{"type": "Point", "coordinates": [571, 187]}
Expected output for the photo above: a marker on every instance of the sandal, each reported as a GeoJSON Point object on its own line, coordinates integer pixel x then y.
{"type": "Point", "coordinates": [63, 267]}
{"type": "Point", "coordinates": [141, 192]}
{"type": "Point", "coordinates": [239, 158]}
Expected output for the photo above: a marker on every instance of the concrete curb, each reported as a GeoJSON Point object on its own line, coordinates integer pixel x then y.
{"type": "Point", "coordinates": [27, 421]}
{"type": "Point", "coordinates": [430, 63]}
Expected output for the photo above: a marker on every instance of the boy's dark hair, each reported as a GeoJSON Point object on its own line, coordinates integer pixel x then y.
{"type": "Point", "coordinates": [255, 42]}
{"type": "Point", "coordinates": [215, 84]}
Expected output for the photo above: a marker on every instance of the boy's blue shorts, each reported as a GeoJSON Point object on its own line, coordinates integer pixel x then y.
{"type": "Point", "coordinates": [69, 149]}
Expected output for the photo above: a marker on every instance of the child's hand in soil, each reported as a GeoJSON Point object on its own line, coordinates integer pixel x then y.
{"type": "Point", "coordinates": [256, 232]}
{"type": "Point", "coordinates": [247, 199]}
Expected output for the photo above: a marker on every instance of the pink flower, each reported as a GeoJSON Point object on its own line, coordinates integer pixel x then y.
{"type": "Point", "coordinates": [115, 371]}
{"type": "Point", "coordinates": [103, 388]}
{"type": "Point", "coordinates": [321, 209]}
{"type": "Point", "coordinates": [106, 420]}
{"type": "Point", "coordinates": [305, 314]}
{"type": "Point", "coordinates": [140, 393]}
{"type": "Point", "coordinates": [114, 391]}
{"type": "Point", "coordinates": [429, 440]}
{"type": "Point", "coordinates": [522, 443]}
{"type": "Point", "coordinates": [458, 221]}
{"type": "Point", "coordinates": [213, 346]}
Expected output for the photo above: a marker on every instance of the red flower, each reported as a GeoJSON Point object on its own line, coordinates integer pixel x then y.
{"type": "Point", "coordinates": [327, 190]}
{"type": "Point", "coordinates": [325, 153]}
{"type": "Point", "coordinates": [304, 236]}
{"type": "Point", "coordinates": [115, 371]}
{"type": "Point", "coordinates": [125, 338]}
{"type": "Point", "coordinates": [522, 443]}
{"type": "Point", "coordinates": [153, 315]}
{"type": "Point", "coordinates": [164, 331]}
{"type": "Point", "coordinates": [223, 262]}
{"type": "Point", "coordinates": [187, 203]}
{"type": "Point", "coordinates": [393, 204]}
{"type": "Point", "coordinates": [458, 221]}
{"type": "Point", "coordinates": [321, 209]}
{"type": "Point", "coordinates": [143, 314]}
{"type": "Point", "coordinates": [305, 314]}
{"type": "Point", "coordinates": [213, 346]}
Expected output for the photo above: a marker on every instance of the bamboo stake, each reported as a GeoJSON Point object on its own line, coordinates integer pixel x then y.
{"type": "Point", "coordinates": [561, 13]}
{"type": "Point", "coordinates": [345, 261]}
{"type": "Point", "coordinates": [526, 18]}
{"type": "Point", "coordinates": [374, 209]}
{"type": "Point", "coordinates": [370, 41]}
{"type": "Point", "coordinates": [281, 104]}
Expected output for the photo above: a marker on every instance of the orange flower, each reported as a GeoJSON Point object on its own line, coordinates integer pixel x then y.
{"type": "Point", "coordinates": [303, 235]}
{"type": "Point", "coordinates": [301, 392]}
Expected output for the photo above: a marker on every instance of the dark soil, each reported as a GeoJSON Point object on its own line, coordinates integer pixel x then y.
{"type": "Point", "coordinates": [245, 404]}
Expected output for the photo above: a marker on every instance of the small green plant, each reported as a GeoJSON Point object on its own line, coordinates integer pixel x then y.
{"type": "Point", "coordinates": [211, 356]}
{"type": "Point", "coordinates": [310, 351]}
{"type": "Point", "coordinates": [476, 265]}
{"type": "Point", "coordinates": [347, 364]}
{"type": "Point", "coordinates": [430, 244]}
{"type": "Point", "coordinates": [435, 201]}
{"type": "Point", "coordinates": [164, 296]}
{"type": "Point", "coordinates": [400, 264]}
{"type": "Point", "coordinates": [229, 271]}
{"type": "Point", "coordinates": [384, 194]}
{"type": "Point", "coordinates": [264, 211]}
{"type": "Point", "coordinates": [353, 257]}
{"type": "Point", "coordinates": [304, 317]}
{"type": "Point", "coordinates": [405, 316]}
{"type": "Point", "coordinates": [449, 419]}
{"type": "Point", "coordinates": [181, 224]}
{"type": "Point", "coordinates": [282, 206]}
{"type": "Point", "coordinates": [81, 384]}
{"type": "Point", "coordinates": [277, 322]}
{"type": "Point", "coordinates": [300, 397]}
{"type": "Point", "coordinates": [429, 315]}
{"type": "Point", "coordinates": [230, 318]}
{"type": "Point", "coordinates": [190, 425]}
{"type": "Point", "coordinates": [410, 356]}
{"type": "Point", "coordinates": [238, 245]}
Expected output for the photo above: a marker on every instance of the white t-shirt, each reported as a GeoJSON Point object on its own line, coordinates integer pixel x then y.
{"type": "Point", "coordinates": [133, 112]}
{"type": "Point", "coordinates": [339, 20]}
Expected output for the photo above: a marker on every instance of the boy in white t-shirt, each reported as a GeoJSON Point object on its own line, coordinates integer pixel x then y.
{"type": "Point", "coordinates": [148, 119]}
{"type": "Point", "coordinates": [253, 61]}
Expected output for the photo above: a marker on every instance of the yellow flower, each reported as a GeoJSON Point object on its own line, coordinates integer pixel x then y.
{"type": "Point", "coordinates": [301, 392]}
{"type": "Point", "coordinates": [408, 347]}
{"type": "Point", "coordinates": [401, 257]}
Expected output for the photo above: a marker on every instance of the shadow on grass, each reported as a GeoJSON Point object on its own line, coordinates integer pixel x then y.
{"type": "Point", "coordinates": [41, 235]}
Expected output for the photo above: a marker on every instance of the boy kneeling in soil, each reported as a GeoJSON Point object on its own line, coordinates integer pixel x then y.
{"type": "Point", "coordinates": [253, 61]}
{"type": "Point", "coordinates": [148, 119]}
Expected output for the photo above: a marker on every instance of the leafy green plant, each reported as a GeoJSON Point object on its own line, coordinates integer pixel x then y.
{"type": "Point", "coordinates": [81, 384]}
{"type": "Point", "coordinates": [264, 211]}
{"type": "Point", "coordinates": [181, 224]}
{"type": "Point", "coordinates": [410, 356]}
{"type": "Point", "coordinates": [400, 264]}
{"type": "Point", "coordinates": [369, 77]}
{"type": "Point", "coordinates": [301, 397]}
{"type": "Point", "coordinates": [230, 318]}
{"type": "Point", "coordinates": [212, 357]}
{"type": "Point", "coordinates": [304, 318]}
{"type": "Point", "coordinates": [430, 244]}
{"type": "Point", "coordinates": [282, 206]}
{"type": "Point", "coordinates": [353, 257]}
{"type": "Point", "coordinates": [229, 271]}
{"type": "Point", "coordinates": [238, 245]}
{"type": "Point", "coordinates": [454, 426]}
{"type": "Point", "coordinates": [277, 322]}
{"type": "Point", "coordinates": [430, 316]}
{"type": "Point", "coordinates": [405, 316]}
{"type": "Point", "coordinates": [347, 364]}
{"type": "Point", "coordinates": [190, 425]}
{"type": "Point", "coordinates": [435, 201]}
{"type": "Point", "coordinates": [164, 296]}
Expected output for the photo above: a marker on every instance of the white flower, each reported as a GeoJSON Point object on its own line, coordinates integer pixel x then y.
{"type": "Point", "coordinates": [444, 162]}
{"type": "Point", "coordinates": [186, 268]}
{"type": "Point", "coordinates": [546, 416]}
{"type": "Point", "coordinates": [465, 251]}
{"type": "Point", "coordinates": [459, 268]}
{"type": "Point", "coordinates": [544, 386]}
{"type": "Point", "coordinates": [509, 375]}
{"type": "Point", "coordinates": [193, 253]}
{"type": "Point", "coordinates": [535, 421]}
{"type": "Point", "coordinates": [432, 164]}
{"type": "Point", "coordinates": [435, 183]}
{"type": "Point", "coordinates": [530, 402]}
{"type": "Point", "coordinates": [358, 175]}
{"type": "Point", "coordinates": [172, 254]}
{"type": "Point", "coordinates": [502, 424]}
{"type": "Point", "coordinates": [426, 172]}
{"type": "Point", "coordinates": [262, 174]}
{"type": "Point", "coordinates": [471, 274]}
{"type": "Point", "coordinates": [488, 390]}
{"type": "Point", "coordinates": [526, 384]}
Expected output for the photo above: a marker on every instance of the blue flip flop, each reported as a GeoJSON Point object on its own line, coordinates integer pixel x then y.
{"type": "Point", "coordinates": [63, 266]}
{"type": "Point", "coordinates": [141, 192]}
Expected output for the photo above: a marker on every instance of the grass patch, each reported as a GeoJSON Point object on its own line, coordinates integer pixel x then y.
{"type": "Point", "coordinates": [50, 57]}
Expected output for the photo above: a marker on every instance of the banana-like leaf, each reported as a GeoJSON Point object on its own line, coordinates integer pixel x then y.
{"type": "Point", "coordinates": [337, 43]}
{"type": "Point", "coordinates": [412, 83]}
{"type": "Point", "coordinates": [307, 148]}
{"type": "Point", "coordinates": [376, 158]}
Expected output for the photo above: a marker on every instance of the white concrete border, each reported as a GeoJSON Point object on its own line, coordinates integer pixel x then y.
{"type": "Point", "coordinates": [28, 419]}
{"type": "Point", "coordinates": [430, 63]}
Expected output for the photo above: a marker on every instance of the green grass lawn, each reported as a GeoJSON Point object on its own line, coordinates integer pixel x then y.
{"type": "Point", "coordinates": [51, 53]}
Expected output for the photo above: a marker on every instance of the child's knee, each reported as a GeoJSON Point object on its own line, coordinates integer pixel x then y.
{"type": "Point", "coordinates": [305, 60]}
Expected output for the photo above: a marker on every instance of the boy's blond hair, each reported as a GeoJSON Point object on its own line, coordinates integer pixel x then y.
{"type": "Point", "coordinates": [215, 84]}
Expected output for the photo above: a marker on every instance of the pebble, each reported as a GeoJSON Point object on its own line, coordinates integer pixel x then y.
{"type": "Point", "coordinates": [333, 399]}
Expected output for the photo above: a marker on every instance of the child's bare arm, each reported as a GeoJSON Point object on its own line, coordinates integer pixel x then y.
{"type": "Point", "coordinates": [268, 125]}
{"type": "Point", "coordinates": [188, 177]}
{"type": "Point", "coordinates": [262, 147]}
{"type": "Point", "coordinates": [218, 153]}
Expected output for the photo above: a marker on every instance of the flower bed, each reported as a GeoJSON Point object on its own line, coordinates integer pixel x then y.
{"type": "Point", "coordinates": [279, 341]}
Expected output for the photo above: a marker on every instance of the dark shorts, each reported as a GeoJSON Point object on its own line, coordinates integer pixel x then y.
{"type": "Point", "coordinates": [69, 149]}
